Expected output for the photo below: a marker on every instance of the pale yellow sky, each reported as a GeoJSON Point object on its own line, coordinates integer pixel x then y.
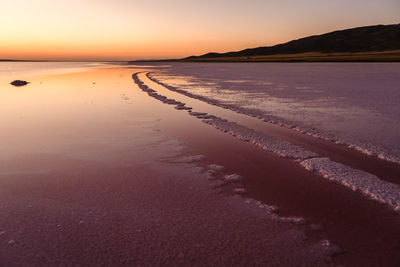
{"type": "Point", "coordinates": [131, 29]}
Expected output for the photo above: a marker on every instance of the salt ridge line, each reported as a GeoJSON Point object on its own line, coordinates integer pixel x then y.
{"type": "Point", "coordinates": [213, 169]}
{"type": "Point", "coordinates": [370, 151]}
{"type": "Point", "coordinates": [214, 172]}
{"type": "Point", "coordinates": [266, 142]}
{"type": "Point", "coordinates": [269, 143]}
{"type": "Point", "coordinates": [356, 180]}
{"type": "Point", "coordinates": [385, 170]}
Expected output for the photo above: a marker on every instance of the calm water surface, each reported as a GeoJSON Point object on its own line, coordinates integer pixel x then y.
{"type": "Point", "coordinates": [357, 103]}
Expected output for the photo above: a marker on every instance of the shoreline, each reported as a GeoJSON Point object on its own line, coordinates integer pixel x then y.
{"type": "Point", "coordinates": [282, 128]}
{"type": "Point", "coordinates": [316, 208]}
{"type": "Point", "coordinates": [370, 150]}
{"type": "Point", "coordinates": [373, 56]}
{"type": "Point", "coordinates": [114, 187]}
{"type": "Point", "coordinates": [356, 179]}
{"type": "Point", "coordinates": [135, 181]}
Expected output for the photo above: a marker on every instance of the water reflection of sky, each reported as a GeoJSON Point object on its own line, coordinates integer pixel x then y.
{"type": "Point", "coordinates": [308, 102]}
{"type": "Point", "coordinates": [262, 100]}
{"type": "Point", "coordinates": [57, 111]}
{"type": "Point", "coordinates": [25, 70]}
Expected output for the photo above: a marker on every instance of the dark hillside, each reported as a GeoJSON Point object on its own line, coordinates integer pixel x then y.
{"type": "Point", "coordinates": [362, 39]}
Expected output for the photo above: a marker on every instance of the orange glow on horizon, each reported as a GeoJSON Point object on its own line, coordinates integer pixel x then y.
{"type": "Point", "coordinates": [130, 29]}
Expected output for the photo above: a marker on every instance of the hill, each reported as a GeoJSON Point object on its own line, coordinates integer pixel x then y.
{"type": "Point", "coordinates": [370, 43]}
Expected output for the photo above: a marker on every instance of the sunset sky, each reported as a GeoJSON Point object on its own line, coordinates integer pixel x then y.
{"type": "Point", "coordinates": [133, 29]}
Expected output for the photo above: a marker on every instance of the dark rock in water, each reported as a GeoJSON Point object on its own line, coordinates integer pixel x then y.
{"type": "Point", "coordinates": [19, 83]}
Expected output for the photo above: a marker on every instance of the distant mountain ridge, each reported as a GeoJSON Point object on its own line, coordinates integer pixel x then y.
{"type": "Point", "coordinates": [355, 40]}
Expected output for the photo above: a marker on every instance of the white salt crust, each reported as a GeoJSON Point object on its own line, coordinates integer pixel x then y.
{"type": "Point", "coordinates": [363, 148]}
{"type": "Point", "coordinates": [232, 178]}
{"type": "Point", "coordinates": [269, 143]}
{"type": "Point", "coordinates": [215, 167]}
{"type": "Point", "coordinates": [357, 180]}
{"type": "Point", "coordinates": [189, 159]}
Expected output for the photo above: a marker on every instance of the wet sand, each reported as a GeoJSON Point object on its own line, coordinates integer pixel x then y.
{"type": "Point", "coordinates": [98, 182]}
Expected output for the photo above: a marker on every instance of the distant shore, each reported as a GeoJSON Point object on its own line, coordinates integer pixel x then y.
{"type": "Point", "coordinates": [374, 56]}
{"type": "Point", "coordinates": [377, 43]}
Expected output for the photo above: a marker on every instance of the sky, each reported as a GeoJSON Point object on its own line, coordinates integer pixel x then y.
{"type": "Point", "coordinates": [150, 29]}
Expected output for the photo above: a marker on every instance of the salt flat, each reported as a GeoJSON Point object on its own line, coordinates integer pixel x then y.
{"type": "Point", "coordinates": [98, 168]}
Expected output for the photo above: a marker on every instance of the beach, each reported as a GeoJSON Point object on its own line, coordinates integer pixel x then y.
{"type": "Point", "coordinates": [194, 164]}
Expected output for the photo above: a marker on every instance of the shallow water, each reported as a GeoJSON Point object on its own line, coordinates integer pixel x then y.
{"type": "Point", "coordinates": [24, 70]}
{"type": "Point", "coordinates": [91, 159]}
{"type": "Point", "coordinates": [89, 174]}
{"type": "Point", "coordinates": [356, 103]}
{"type": "Point", "coordinates": [269, 179]}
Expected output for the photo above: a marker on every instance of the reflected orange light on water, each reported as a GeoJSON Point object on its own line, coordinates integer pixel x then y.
{"type": "Point", "coordinates": [57, 110]}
